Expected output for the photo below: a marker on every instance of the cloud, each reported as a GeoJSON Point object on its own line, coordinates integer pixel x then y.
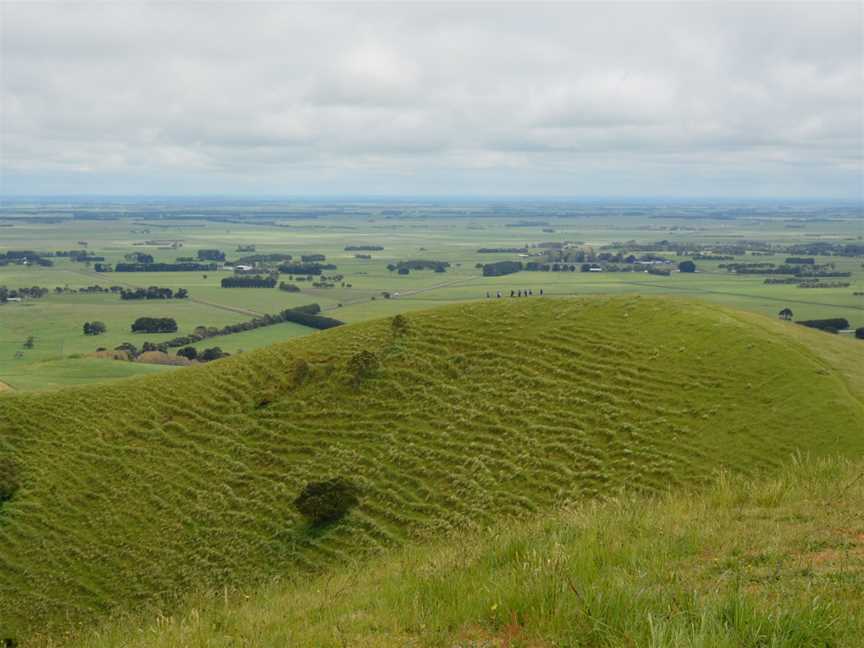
{"type": "Point", "coordinates": [483, 98]}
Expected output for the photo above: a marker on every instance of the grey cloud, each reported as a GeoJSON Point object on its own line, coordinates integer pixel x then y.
{"type": "Point", "coordinates": [401, 97]}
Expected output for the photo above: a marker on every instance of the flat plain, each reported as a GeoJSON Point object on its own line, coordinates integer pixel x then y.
{"type": "Point", "coordinates": [446, 232]}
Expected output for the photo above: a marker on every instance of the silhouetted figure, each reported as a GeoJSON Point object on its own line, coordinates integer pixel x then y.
{"type": "Point", "coordinates": [541, 292]}
{"type": "Point", "coordinates": [512, 292]}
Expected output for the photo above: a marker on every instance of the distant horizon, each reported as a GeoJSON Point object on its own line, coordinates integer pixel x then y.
{"type": "Point", "coordinates": [360, 198]}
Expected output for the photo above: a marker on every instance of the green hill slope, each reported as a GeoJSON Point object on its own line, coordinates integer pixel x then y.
{"type": "Point", "coordinates": [743, 564]}
{"type": "Point", "coordinates": [134, 493]}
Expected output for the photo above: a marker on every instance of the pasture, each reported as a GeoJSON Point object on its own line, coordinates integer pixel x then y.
{"type": "Point", "coordinates": [450, 233]}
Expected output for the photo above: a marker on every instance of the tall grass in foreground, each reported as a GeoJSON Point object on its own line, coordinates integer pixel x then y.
{"type": "Point", "coordinates": [742, 564]}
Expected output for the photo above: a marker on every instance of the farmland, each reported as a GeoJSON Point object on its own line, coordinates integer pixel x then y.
{"type": "Point", "coordinates": [446, 232]}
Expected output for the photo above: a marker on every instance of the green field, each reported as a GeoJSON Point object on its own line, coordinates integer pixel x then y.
{"type": "Point", "coordinates": [444, 232]}
{"type": "Point", "coordinates": [136, 495]}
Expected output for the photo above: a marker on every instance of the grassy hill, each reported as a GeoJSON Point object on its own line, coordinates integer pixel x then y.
{"type": "Point", "coordinates": [744, 564]}
{"type": "Point", "coordinates": [134, 494]}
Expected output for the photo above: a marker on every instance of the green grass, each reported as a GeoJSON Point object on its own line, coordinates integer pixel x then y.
{"type": "Point", "coordinates": [135, 494]}
{"type": "Point", "coordinates": [745, 564]}
{"type": "Point", "coordinates": [65, 372]}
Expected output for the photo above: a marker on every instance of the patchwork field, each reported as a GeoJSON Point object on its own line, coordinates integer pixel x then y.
{"type": "Point", "coordinates": [135, 495]}
{"type": "Point", "coordinates": [449, 233]}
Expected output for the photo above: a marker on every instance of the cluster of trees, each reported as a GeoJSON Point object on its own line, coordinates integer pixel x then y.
{"type": "Point", "coordinates": [33, 292]}
{"type": "Point", "coordinates": [830, 325]}
{"type": "Point", "coordinates": [263, 258]}
{"type": "Point", "coordinates": [79, 256]}
{"type": "Point", "coordinates": [699, 256]}
{"type": "Point", "coordinates": [288, 287]}
{"type": "Point", "coordinates": [211, 255]}
{"type": "Point", "coordinates": [207, 355]}
{"type": "Point", "coordinates": [245, 248]}
{"type": "Point", "coordinates": [154, 292]}
{"type": "Point", "coordinates": [154, 325]}
{"type": "Point", "coordinates": [304, 268]}
{"type": "Point", "coordinates": [501, 268]}
{"type": "Point", "coordinates": [249, 281]}
{"type": "Point", "coordinates": [404, 267]}
{"type": "Point", "coordinates": [94, 328]}
{"type": "Point", "coordinates": [801, 260]}
{"type": "Point", "coordinates": [306, 315]}
{"type": "Point", "coordinates": [157, 267]}
{"type": "Point", "coordinates": [364, 248]}
{"type": "Point", "coordinates": [797, 270]}
{"type": "Point", "coordinates": [139, 257]}
{"type": "Point", "coordinates": [815, 283]}
{"type": "Point", "coordinates": [24, 257]}
{"type": "Point", "coordinates": [825, 248]}
{"type": "Point", "coordinates": [312, 258]}
{"type": "Point", "coordinates": [503, 250]}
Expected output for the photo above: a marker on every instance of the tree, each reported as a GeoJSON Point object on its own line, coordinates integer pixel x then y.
{"type": "Point", "coordinates": [686, 266]}
{"type": "Point", "coordinates": [214, 353]}
{"type": "Point", "coordinates": [859, 333]}
{"type": "Point", "coordinates": [154, 325]}
{"type": "Point", "coordinates": [786, 314]}
{"type": "Point", "coordinates": [189, 352]}
{"type": "Point", "coordinates": [29, 343]}
{"type": "Point", "coordinates": [327, 501]}
{"type": "Point", "coordinates": [94, 328]}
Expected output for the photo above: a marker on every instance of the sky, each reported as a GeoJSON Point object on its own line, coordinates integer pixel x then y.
{"type": "Point", "coordinates": [489, 99]}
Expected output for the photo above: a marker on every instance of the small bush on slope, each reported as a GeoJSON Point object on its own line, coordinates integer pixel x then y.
{"type": "Point", "coordinates": [747, 564]}
{"type": "Point", "coordinates": [8, 479]}
{"type": "Point", "coordinates": [326, 501]}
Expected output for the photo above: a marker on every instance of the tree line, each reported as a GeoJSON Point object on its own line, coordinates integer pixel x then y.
{"type": "Point", "coordinates": [154, 292]}
{"type": "Point", "coordinates": [156, 267]}
{"type": "Point", "coordinates": [249, 281]}
{"type": "Point", "coordinates": [307, 315]}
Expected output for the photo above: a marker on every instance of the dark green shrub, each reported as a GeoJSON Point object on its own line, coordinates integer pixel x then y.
{"type": "Point", "coordinates": [362, 365]}
{"type": "Point", "coordinates": [399, 325]}
{"type": "Point", "coordinates": [328, 500]}
{"type": "Point", "coordinates": [687, 266]}
{"type": "Point", "coordinates": [8, 479]}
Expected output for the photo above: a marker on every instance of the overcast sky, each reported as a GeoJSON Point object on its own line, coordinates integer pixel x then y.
{"type": "Point", "coordinates": [488, 99]}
